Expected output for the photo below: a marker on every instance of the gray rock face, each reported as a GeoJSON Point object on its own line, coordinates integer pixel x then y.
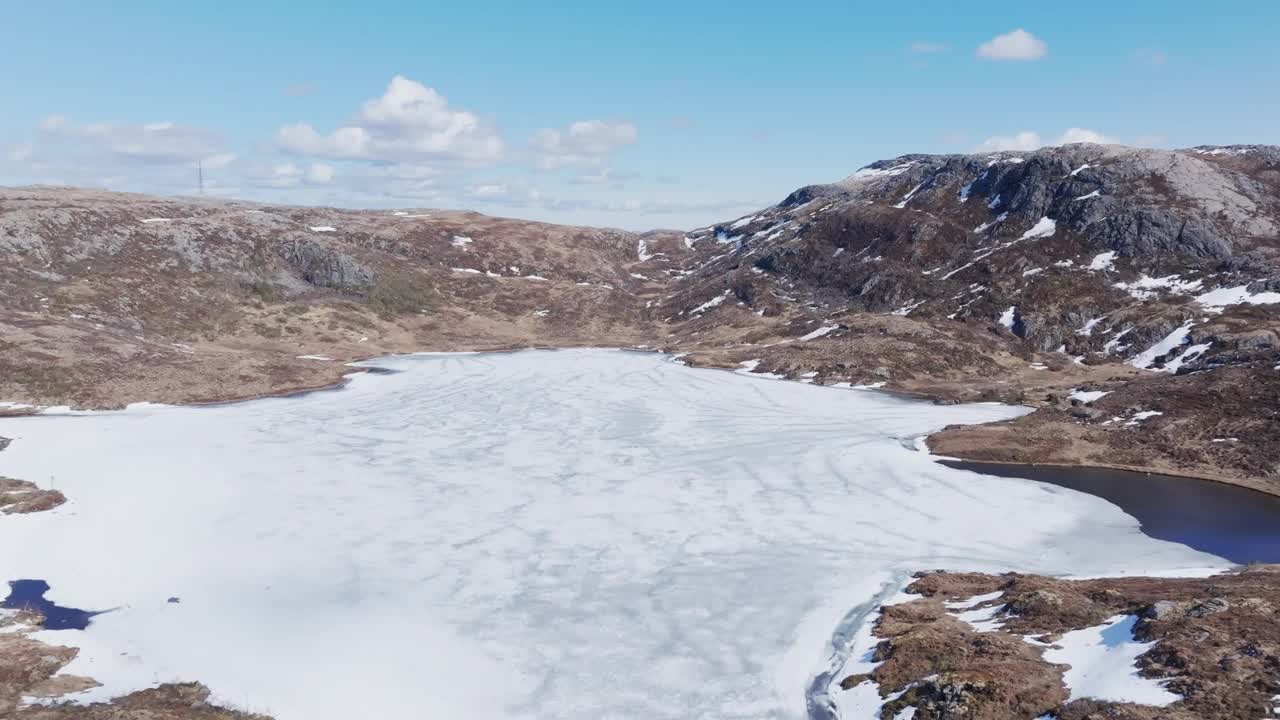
{"type": "Point", "coordinates": [1162, 610]}
{"type": "Point", "coordinates": [325, 267]}
{"type": "Point", "coordinates": [1100, 249]}
{"type": "Point", "coordinates": [1212, 606]}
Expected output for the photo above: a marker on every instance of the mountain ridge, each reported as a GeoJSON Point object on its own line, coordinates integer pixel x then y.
{"type": "Point", "coordinates": [1095, 283]}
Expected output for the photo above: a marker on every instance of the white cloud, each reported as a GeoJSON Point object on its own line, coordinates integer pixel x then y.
{"type": "Point", "coordinates": [319, 174]}
{"type": "Point", "coordinates": [343, 143]}
{"type": "Point", "coordinates": [155, 143]}
{"type": "Point", "coordinates": [1016, 45]}
{"type": "Point", "coordinates": [927, 48]}
{"type": "Point", "coordinates": [1028, 140]}
{"type": "Point", "coordinates": [1083, 135]}
{"type": "Point", "coordinates": [586, 142]}
{"type": "Point", "coordinates": [491, 190]}
{"type": "Point", "coordinates": [220, 160]}
{"type": "Point", "coordinates": [1022, 141]}
{"type": "Point", "coordinates": [409, 120]}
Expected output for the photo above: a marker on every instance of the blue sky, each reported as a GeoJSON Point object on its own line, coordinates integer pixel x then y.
{"type": "Point", "coordinates": [657, 114]}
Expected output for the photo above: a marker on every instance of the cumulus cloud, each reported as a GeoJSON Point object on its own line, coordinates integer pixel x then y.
{"type": "Point", "coordinates": [1083, 135]}
{"type": "Point", "coordinates": [586, 142]}
{"type": "Point", "coordinates": [1028, 140]}
{"type": "Point", "coordinates": [1016, 45]}
{"type": "Point", "coordinates": [155, 143]}
{"type": "Point", "coordinates": [409, 120]}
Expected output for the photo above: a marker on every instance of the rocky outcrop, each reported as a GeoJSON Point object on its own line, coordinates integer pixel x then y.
{"type": "Point", "coordinates": [1216, 645]}
{"type": "Point", "coordinates": [326, 267]}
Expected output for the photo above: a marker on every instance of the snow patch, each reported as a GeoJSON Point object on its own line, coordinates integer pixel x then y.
{"type": "Point", "coordinates": [1188, 355]}
{"type": "Point", "coordinates": [1089, 325]}
{"type": "Point", "coordinates": [1103, 261]}
{"type": "Point", "coordinates": [1088, 396]}
{"type": "Point", "coordinates": [999, 219]}
{"type": "Point", "coordinates": [820, 332]}
{"type": "Point", "coordinates": [1103, 664]}
{"type": "Point", "coordinates": [1008, 317]}
{"type": "Point", "coordinates": [1145, 287]}
{"type": "Point", "coordinates": [907, 198]}
{"type": "Point", "coordinates": [1169, 342]}
{"type": "Point", "coordinates": [1222, 297]}
{"type": "Point", "coordinates": [1044, 227]}
{"type": "Point", "coordinates": [868, 173]}
{"type": "Point", "coordinates": [713, 302]}
{"type": "Point", "coordinates": [323, 228]}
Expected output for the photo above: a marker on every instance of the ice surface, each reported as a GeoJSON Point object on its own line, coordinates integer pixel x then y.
{"type": "Point", "coordinates": [1102, 664]}
{"type": "Point", "coordinates": [569, 534]}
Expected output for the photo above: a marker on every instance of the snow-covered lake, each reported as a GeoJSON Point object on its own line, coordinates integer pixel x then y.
{"type": "Point", "coordinates": [572, 534]}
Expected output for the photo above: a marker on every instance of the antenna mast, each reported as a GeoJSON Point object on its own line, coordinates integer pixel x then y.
{"type": "Point", "coordinates": [200, 175]}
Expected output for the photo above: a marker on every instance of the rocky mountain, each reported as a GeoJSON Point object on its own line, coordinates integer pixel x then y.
{"type": "Point", "coordinates": [1132, 293]}
{"type": "Point", "coordinates": [1129, 294]}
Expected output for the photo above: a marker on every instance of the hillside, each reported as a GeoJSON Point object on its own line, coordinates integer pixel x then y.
{"type": "Point", "coordinates": [1128, 294]}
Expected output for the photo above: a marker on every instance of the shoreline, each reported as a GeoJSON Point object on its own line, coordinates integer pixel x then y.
{"type": "Point", "coordinates": [1188, 475]}
{"type": "Point", "coordinates": [351, 369]}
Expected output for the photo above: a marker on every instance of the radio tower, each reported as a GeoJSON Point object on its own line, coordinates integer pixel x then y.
{"type": "Point", "coordinates": [200, 175]}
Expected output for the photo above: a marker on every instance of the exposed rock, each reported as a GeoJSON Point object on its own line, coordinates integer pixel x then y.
{"type": "Point", "coordinates": [1221, 654]}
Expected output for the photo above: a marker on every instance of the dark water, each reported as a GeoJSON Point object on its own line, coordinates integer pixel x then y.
{"type": "Point", "coordinates": [1238, 524]}
{"type": "Point", "coordinates": [29, 595]}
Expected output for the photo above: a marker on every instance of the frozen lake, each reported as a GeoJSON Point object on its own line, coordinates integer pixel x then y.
{"type": "Point", "coordinates": [570, 534]}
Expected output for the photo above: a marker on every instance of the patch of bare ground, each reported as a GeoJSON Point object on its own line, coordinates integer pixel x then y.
{"type": "Point", "coordinates": [20, 496]}
{"type": "Point", "coordinates": [1217, 645]}
{"type": "Point", "coordinates": [1219, 425]}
